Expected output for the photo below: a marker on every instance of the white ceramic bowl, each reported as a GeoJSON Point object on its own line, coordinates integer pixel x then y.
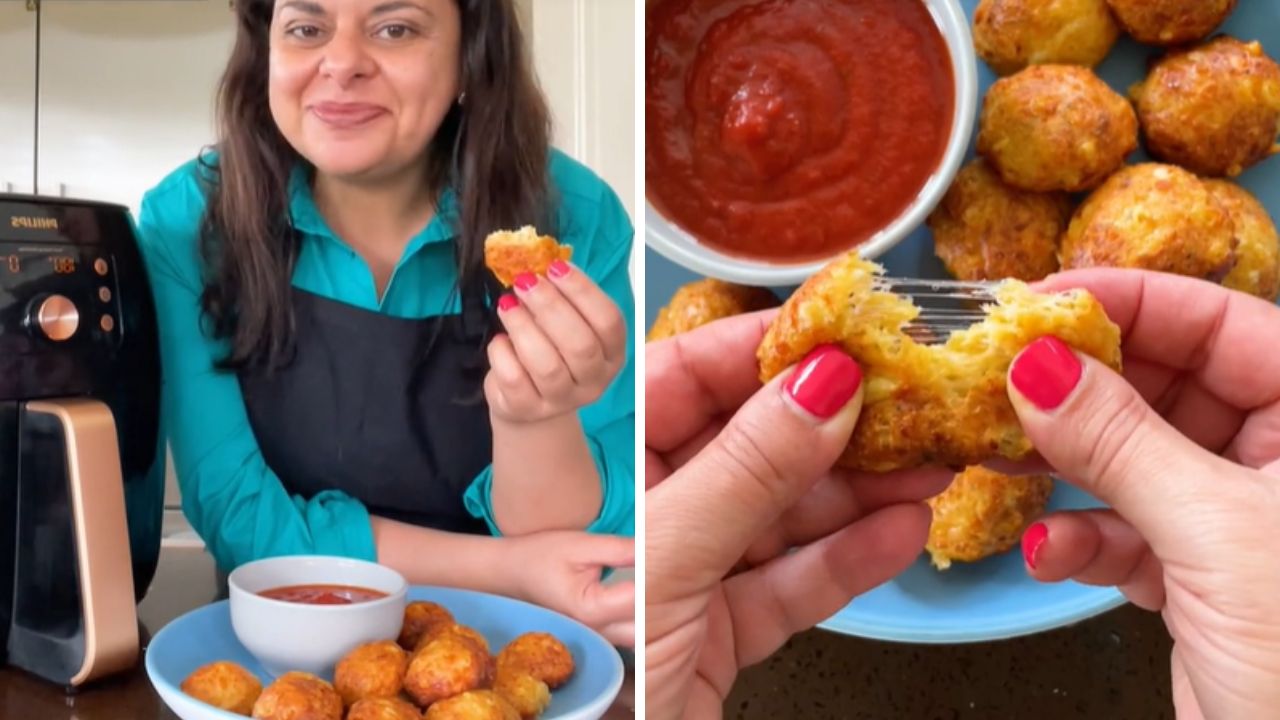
{"type": "Point", "coordinates": [681, 248]}
{"type": "Point", "coordinates": [287, 636]}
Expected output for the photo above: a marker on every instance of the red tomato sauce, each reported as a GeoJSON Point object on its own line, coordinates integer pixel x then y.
{"type": "Point", "coordinates": [323, 594]}
{"type": "Point", "coordinates": [792, 129]}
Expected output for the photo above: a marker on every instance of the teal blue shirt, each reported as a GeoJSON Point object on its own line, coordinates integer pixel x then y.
{"type": "Point", "coordinates": [234, 501]}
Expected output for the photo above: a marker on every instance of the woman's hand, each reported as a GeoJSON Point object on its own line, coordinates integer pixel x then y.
{"type": "Point", "coordinates": [565, 342]}
{"type": "Point", "coordinates": [737, 474]}
{"type": "Point", "coordinates": [562, 571]}
{"type": "Point", "coordinates": [1186, 449]}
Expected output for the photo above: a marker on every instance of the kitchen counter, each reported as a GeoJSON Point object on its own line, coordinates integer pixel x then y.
{"type": "Point", "coordinates": [1113, 666]}
{"type": "Point", "coordinates": [184, 581]}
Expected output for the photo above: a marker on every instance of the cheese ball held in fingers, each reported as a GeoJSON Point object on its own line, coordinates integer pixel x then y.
{"type": "Point", "coordinates": [1012, 34]}
{"type": "Point", "coordinates": [985, 229]}
{"type": "Point", "coordinates": [1213, 109]}
{"type": "Point", "coordinates": [1056, 127]}
{"type": "Point", "coordinates": [508, 254]}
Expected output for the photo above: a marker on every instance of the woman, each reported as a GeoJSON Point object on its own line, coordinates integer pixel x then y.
{"type": "Point", "coordinates": [336, 375]}
{"type": "Point", "coordinates": [1193, 480]}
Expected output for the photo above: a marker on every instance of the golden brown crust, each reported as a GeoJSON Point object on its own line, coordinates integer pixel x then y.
{"type": "Point", "coordinates": [1257, 268]}
{"type": "Point", "coordinates": [508, 253]}
{"type": "Point", "coordinates": [1056, 127]}
{"type": "Point", "coordinates": [443, 668]}
{"type": "Point", "coordinates": [224, 685]}
{"type": "Point", "coordinates": [473, 705]}
{"type": "Point", "coordinates": [371, 670]}
{"type": "Point", "coordinates": [527, 694]}
{"type": "Point", "coordinates": [1170, 22]}
{"type": "Point", "coordinates": [381, 708]}
{"type": "Point", "coordinates": [940, 404]}
{"type": "Point", "coordinates": [1213, 109]}
{"type": "Point", "coordinates": [462, 631]}
{"type": "Point", "coordinates": [986, 230]}
{"type": "Point", "coordinates": [1012, 34]}
{"type": "Point", "coordinates": [539, 654]}
{"type": "Point", "coordinates": [1154, 217]}
{"type": "Point", "coordinates": [298, 696]}
{"type": "Point", "coordinates": [705, 301]}
{"type": "Point", "coordinates": [419, 617]}
{"type": "Point", "coordinates": [983, 513]}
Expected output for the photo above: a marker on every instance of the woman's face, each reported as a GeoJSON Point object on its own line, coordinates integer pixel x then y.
{"type": "Point", "coordinates": [359, 87]}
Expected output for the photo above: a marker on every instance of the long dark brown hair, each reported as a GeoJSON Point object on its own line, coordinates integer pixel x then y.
{"type": "Point", "coordinates": [491, 149]}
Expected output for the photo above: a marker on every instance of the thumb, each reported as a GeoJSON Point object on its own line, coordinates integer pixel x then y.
{"type": "Point", "coordinates": [770, 453]}
{"type": "Point", "coordinates": [1093, 427]}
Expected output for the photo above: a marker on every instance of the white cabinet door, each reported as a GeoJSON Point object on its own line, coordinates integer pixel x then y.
{"type": "Point", "coordinates": [126, 92]}
{"type": "Point", "coordinates": [17, 97]}
{"type": "Point", "coordinates": [584, 52]}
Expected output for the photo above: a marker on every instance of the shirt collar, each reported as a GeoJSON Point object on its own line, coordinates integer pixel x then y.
{"type": "Point", "coordinates": [306, 217]}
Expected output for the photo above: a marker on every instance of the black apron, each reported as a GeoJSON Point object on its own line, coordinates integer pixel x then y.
{"type": "Point", "coordinates": [388, 410]}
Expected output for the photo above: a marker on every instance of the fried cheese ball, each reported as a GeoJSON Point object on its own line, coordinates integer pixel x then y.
{"type": "Point", "coordinates": [445, 667]}
{"type": "Point", "coordinates": [1170, 22]}
{"type": "Point", "coordinates": [461, 631]}
{"type": "Point", "coordinates": [419, 617]}
{"type": "Point", "coordinates": [1056, 127]}
{"type": "Point", "coordinates": [383, 708]}
{"type": "Point", "coordinates": [539, 654]}
{"type": "Point", "coordinates": [224, 685]}
{"type": "Point", "coordinates": [372, 670]}
{"type": "Point", "coordinates": [1012, 34]}
{"type": "Point", "coordinates": [704, 301]}
{"type": "Point", "coordinates": [986, 230]}
{"type": "Point", "coordinates": [983, 513]}
{"type": "Point", "coordinates": [298, 696]}
{"type": "Point", "coordinates": [1257, 268]}
{"type": "Point", "coordinates": [1213, 109]}
{"type": "Point", "coordinates": [509, 253]}
{"type": "Point", "coordinates": [526, 693]}
{"type": "Point", "coordinates": [1154, 217]}
{"type": "Point", "coordinates": [929, 404]}
{"type": "Point", "coordinates": [473, 705]}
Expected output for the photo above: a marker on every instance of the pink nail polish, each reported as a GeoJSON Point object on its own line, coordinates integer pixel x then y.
{"type": "Point", "coordinates": [558, 269]}
{"type": "Point", "coordinates": [825, 381]}
{"type": "Point", "coordinates": [1032, 540]}
{"type": "Point", "coordinates": [508, 302]}
{"type": "Point", "coordinates": [1046, 372]}
{"type": "Point", "coordinates": [526, 281]}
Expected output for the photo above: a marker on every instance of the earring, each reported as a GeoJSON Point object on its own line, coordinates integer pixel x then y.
{"type": "Point", "coordinates": [462, 99]}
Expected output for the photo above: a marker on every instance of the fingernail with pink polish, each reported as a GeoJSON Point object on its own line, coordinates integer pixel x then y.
{"type": "Point", "coordinates": [526, 281]}
{"type": "Point", "coordinates": [1032, 540]}
{"type": "Point", "coordinates": [825, 381]}
{"type": "Point", "coordinates": [558, 269]}
{"type": "Point", "coordinates": [508, 302]}
{"type": "Point", "coordinates": [1046, 372]}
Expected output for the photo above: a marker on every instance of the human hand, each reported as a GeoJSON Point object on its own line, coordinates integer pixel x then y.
{"type": "Point", "coordinates": [1186, 450]}
{"type": "Point", "coordinates": [562, 570]}
{"type": "Point", "coordinates": [566, 340]}
{"type": "Point", "coordinates": [737, 475]}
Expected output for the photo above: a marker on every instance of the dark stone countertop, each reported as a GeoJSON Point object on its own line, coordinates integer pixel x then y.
{"type": "Point", "coordinates": [1114, 666]}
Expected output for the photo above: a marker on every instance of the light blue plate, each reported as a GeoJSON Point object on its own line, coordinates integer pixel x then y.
{"type": "Point", "coordinates": [205, 635]}
{"type": "Point", "coordinates": [994, 598]}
